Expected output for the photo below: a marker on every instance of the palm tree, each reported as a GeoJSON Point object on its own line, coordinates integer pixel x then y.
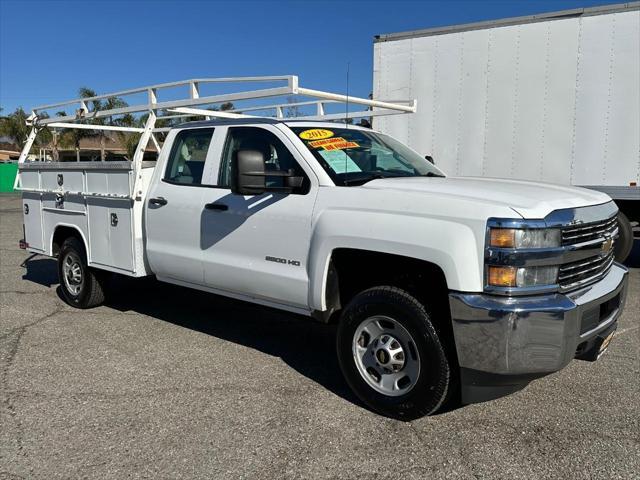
{"type": "Point", "coordinates": [14, 126]}
{"type": "Point", "coordinates": [108, 104]}
{"type": "Point", "coordinates": [72, 137]}
{"type": "Point", "coordinates": [55, 138]}
{"type": "Point", "coordinates": [127, 139]}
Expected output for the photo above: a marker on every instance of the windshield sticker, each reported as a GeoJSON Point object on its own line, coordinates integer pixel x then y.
{"type": "Point", "coordinates": [336, 143]}
{"type": "Point", "coordinates": [316, 134]}
{"type": "Point", "coordinates": [339, 161]}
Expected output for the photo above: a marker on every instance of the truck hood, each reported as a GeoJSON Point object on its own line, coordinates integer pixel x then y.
{"type": "Point", "coordinates": [530, 200]}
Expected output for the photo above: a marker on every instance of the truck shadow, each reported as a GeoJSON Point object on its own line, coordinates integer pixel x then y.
{"type": "Point", "coordinates": [40, 270]}
{"type": "Point", "coordinates": [303, 344]}
{"type": "Point", "coordinates": [306, 346]}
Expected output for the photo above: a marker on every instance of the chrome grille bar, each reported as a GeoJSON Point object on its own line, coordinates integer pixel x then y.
{"type": "Point", "coordinates": [584, 273]}
{"type": "Point", "coordinates": [607, 222]}
{"type": "Point", "coordinates": [573, 266]}
{"type": "Point", "coordinates": [596, 265]}
{"type": "Point", "coordinates": [575, 234]}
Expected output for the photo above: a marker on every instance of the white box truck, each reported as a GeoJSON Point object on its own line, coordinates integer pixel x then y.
{"type": "Point", "coordinates": [442, 287]}
{"type": "Point", "coordinates": [549, 98]}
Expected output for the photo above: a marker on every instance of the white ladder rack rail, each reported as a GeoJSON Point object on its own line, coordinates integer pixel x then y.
{"type": "Point", "coordinates": [184, 107]}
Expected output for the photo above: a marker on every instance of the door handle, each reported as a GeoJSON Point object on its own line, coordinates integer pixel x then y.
{"type": "Point", "coordinates": [158, 201]}
{"type": "Point", "coordinates": [216, 206]}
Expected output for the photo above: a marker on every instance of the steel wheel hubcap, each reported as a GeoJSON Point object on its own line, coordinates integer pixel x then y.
{"type": "Point", "coordinates": [72, 273]}
{"type": "Point", "coordinates": [386, 355]}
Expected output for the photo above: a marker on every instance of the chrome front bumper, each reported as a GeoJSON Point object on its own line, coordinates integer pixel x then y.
{"type": "Point", "coordinates": [511, 340]}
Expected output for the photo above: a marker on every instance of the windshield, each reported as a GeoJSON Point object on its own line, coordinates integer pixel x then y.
{"type": "Point", "coordinates": [353, 156]}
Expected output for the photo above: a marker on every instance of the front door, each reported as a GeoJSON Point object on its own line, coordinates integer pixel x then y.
{"type": "Point", "coordinates": [257, 245]}
{"type": "Point", "coordinates": [175, 209]}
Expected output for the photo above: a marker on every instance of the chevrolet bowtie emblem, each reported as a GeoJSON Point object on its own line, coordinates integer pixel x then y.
{"type": "Point", "coordinates": [606, 246]}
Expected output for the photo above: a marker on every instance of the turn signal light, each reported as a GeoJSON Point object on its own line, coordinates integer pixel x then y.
{"type": "Point", "coordinates": [502, 276]}
{"type": "Point", "coordinates": [503, 237]}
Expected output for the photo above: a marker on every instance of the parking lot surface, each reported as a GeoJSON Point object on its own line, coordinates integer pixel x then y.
{"type": "Point", "coordinates": [165, 382]}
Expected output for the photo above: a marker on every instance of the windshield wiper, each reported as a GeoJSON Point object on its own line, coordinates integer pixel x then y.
{"type": "Point", "coordinates": [368, 176]}
{"type": "Point", "coordinates": [374, 176]}
{"type": "Point", "coordinates": [364, 179]}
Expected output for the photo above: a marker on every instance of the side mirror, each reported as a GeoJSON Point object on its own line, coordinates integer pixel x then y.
{"type": "Point", "coordinates": [292, 181]}
{"type": "Point", "coordinates": [429, 158]}
{"type": "Point", "coordinates": [247, 173]}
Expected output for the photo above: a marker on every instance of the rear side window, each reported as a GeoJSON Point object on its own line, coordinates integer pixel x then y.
{"type": "Point", "coordinates": [187, 157]}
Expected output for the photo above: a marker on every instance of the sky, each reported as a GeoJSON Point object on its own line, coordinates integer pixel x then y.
{"type": "Point", "coordinates": [50, 48]}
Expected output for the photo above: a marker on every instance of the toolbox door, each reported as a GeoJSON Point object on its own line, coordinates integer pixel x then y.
{"type": "Point", "coordinates": [32, 215]}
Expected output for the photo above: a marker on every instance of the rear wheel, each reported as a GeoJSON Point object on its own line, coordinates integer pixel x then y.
{"type": "Point", "coordinates": [391, 356]}
{"type": "Point", "coordinates": [81, 286]}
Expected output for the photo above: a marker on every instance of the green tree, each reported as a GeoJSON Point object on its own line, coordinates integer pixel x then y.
{"type": "Point", "coordinates": [130, 139]}
{"type": "Point", "coordinates": [106, 104]}
{"type": "Point", "coordinates": [14, 126]}
{"type": "Point", "coordinates": [57, 138]}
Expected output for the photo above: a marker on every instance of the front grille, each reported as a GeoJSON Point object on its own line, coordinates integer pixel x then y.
{"type": "Point", "coordinates": [576, 274]}
{"type": "Point", "coordinates": [589, 231]}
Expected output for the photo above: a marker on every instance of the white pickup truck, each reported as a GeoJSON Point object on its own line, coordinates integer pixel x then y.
{"type": "Point", "coordinates": [443, 288]}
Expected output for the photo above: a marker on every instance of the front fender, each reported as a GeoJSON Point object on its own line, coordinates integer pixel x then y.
{"type": "Point", "coordinates": [453, 245]}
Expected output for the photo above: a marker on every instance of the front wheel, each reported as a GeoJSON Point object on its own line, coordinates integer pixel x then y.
{"type": "Point", "coordinates": [624, 244]}
{"type": "Point", "coordinates": [81, 286]}
{"type": "Point", "coordinates": [391, 356]}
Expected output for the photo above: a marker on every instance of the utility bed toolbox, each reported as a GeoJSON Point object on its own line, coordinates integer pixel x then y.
{"type": "Point", "coordinates": [93, 198]}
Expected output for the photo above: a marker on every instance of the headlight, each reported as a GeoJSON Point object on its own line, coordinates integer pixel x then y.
{"type": "Point", "coordinates": [500, 276]}
{"type": "Point", "coordinates": [524, 238]}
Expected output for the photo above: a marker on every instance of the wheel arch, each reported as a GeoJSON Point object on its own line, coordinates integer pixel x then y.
{"type": "Point", "coordinates": [61, 232]}
{"type": "Point", "coordinates": [350, 270]}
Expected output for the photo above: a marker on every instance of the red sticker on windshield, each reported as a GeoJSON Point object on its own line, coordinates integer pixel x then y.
{"type": "Point", "coordinates": [336, 143]}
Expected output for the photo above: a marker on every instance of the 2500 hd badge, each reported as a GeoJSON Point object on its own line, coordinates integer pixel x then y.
{"type": "Point", "coordinates": [295, 263]}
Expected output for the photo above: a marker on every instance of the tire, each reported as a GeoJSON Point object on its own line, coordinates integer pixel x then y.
{"type": "Point", "coordinates": [81, 286]}
{"type": "Point", "coordinates": [365, 354]}
{"type": "Point", "coordinates": [624, 243]}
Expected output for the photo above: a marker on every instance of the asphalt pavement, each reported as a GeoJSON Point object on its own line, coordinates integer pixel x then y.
{"type": "Point", "coordinates": [166, 382]}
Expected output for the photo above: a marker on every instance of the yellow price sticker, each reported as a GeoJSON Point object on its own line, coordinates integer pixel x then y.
{"type": "Point", "coordinates": [316, 134]}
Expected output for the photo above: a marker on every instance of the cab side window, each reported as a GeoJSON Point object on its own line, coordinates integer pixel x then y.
{"type": "Point", "coordinates": [277, 156]}
{"type": "Point", "coordinates": [187, 157]}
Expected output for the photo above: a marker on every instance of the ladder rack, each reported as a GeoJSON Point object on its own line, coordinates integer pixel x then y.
{"type": "Point", "coordinates": [182, 107]}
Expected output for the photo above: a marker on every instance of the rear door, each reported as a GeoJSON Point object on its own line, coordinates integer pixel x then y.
{"type": "Point", "coordinates": [175, 207]}
{"type": "Point", "coordinates": [258, 245]}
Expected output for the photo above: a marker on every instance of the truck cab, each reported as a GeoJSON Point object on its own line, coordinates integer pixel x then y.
{"type": "Point", "coordinates": [443, 288]}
